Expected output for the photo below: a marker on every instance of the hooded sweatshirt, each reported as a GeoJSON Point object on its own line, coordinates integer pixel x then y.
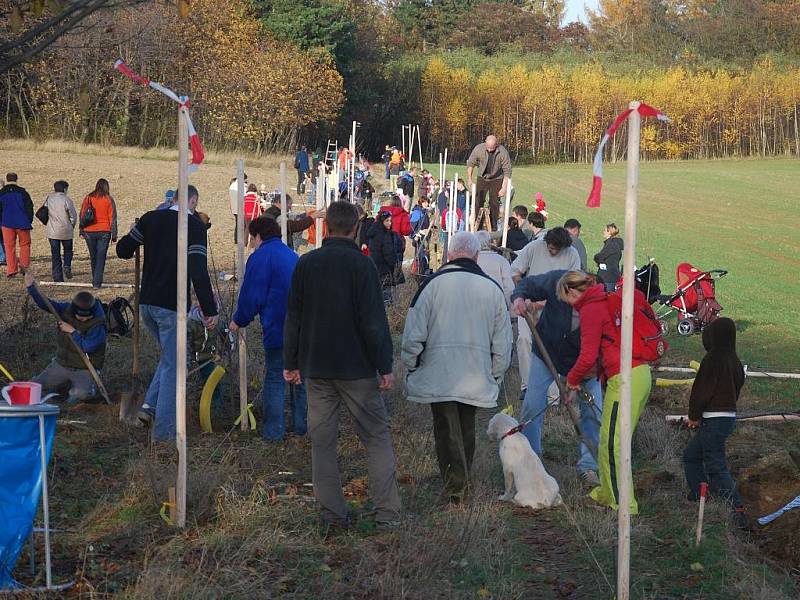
{"type": "Point", "coordinates": [721, 376]}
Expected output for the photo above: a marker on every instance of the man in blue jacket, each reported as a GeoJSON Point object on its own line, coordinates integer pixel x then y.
{"type": "Point", "coordinates": [301, 164]}
{"type": "Point", "coordinates": [84, 321]}
{"type": "Point", "coordinates": [559, 328]}
{"type": "Point", "coordinates": [16, 217]}
{"type": "Point", "coordinates": [265, 292]}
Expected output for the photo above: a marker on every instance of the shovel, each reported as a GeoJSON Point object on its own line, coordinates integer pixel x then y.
{"type": "Point", "coordinates": [129, 401]}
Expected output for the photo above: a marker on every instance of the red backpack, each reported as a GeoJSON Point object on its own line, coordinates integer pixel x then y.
{"type": "Point", "coordinates": [648, 338]}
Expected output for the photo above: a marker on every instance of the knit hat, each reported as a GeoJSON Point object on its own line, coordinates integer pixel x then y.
{"type": "Point", "coordinates": [83, 304]}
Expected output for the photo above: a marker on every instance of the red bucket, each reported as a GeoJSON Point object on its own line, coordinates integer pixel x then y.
{"type": "Point", "coordinates": [23, 393]}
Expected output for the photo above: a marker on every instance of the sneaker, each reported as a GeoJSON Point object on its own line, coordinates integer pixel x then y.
{"type": "Point", "coordinates": [590, 478]}
{"type": "Point", "coordinates": [145, 416]}
{"type": "Point", "coordinates": [387, 525]}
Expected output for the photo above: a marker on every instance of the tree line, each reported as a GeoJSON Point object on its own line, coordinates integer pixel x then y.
{"type": "Point", "coordinates": [266, 75]}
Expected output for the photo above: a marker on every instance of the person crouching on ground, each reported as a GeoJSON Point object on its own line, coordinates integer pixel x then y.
{"type": "Point", "coordinates": [712, 414]}
{"type": "Point", "coordinates": [84, 321]}
{"type": "Point", "coordinates": [265, 292]}
{"type": "Point", "coordinates": [600, 349]}
{"type": "Point", "coordinates": [456, 347]}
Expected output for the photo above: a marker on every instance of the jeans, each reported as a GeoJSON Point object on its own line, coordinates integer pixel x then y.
{"type": "Point", "coordinates": [272, 398]}
{"type": "Point", "coordinates": [704, 460]}
{"type": "Point", "coordinates": [97, 242]}
{"type": "Point", "coordinates": [301, 182]}
{"type": "Point", "coordinates": [2, 253]}
{"type": "Point", "coordinates": [534, 404]}
{"type": "Point", "coordinates": [160, 397]}
{"type": "Point", "coordinates": [387, 170]}
{"type": "Point", "coordinates": [55, 257]}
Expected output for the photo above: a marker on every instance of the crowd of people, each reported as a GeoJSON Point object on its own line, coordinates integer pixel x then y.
{"type": "Point", "coordinates": [326, 335]}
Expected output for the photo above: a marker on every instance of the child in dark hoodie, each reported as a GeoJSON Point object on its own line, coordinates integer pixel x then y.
{"type": "Point", "coordinates": [712, 412]}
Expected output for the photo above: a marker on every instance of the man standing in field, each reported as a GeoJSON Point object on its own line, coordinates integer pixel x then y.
{"type": "Point", "coordinates": [553, 252]}
{"type": "Point", "coordinates": [573, 226]}
{"type": "Point", "coordinates": [16, 217]}
{"type": "Point", "coordinates": [301, 165]}
{"type": "Point", "coordinates": [157, 232]}
{"type": "Point", "coordinates": [456, 348]}
{"type": "Point", "coordinates": [265, 290]}
{"type": "Point", "coordinates": [494, 174]}
{"type": "Point", "coordinates": [337, 339]}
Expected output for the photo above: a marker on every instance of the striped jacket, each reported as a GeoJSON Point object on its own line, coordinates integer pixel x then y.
{"type": "Point", "coordinates": [157, 232]}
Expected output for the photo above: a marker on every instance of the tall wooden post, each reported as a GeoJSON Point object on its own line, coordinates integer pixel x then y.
{"type": "Point", "coordinates": [403, 135]}
{"type": "Point", "coordinates": [181, 304]}
{"type": "Point", "coordinates": [473, 193]}
{"type": "Point", "coordinates": [240, 243]}
{"type": "Point", "coordinates": [419, 147]}
{"type": "Point", "coordinates": [506, 213]}
{"type": "Point", "coordinates": [318, 223]}
{"type": "Point", "coordinates": [353, 162]}
{"type": "Point", "coordinates": [624, 468]}
{"type": "Point", "coordinates": [441, 173]}
{"type": "Point", "coordinates": [285, 217]}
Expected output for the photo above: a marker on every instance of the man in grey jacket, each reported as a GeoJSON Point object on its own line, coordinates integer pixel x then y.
{"type": "Point", "coordinates": [456, 347]}
{"type": "Point", "coordinates": [494, 175]}
{"type": "Point", "coordinates": [61, 220]}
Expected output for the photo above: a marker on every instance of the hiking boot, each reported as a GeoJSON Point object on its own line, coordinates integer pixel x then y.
{"type": "Point", "coordinates": [387, 525]}
{"type": "Point", "coordinates": [68, 272]}
{"type": "Point", "coordinates": [741, 520]}
{"type": "Point", "coordinates": [590, 478]}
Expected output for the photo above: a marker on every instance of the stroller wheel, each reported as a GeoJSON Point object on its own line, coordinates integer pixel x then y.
{"type": "Point", "coordinates": [686, 327]}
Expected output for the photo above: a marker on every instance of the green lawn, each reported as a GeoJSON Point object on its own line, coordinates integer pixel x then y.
{"type": "Point", "coordinates": [738, 215]}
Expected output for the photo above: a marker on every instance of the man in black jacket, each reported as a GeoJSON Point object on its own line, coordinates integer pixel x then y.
{"type": "Point", "coordinates": [157, 232]}
{"type": "Point", "coordinates": [337, 338]}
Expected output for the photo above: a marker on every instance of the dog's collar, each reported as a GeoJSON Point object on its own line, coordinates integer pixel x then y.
{"type": "Point", "coordinates": [514, 430]}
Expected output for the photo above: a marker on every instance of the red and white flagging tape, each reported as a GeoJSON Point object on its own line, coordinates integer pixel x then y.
{"type": "Point", "coordinates": [597, 182]}
{"type": "Point", "coordinates": [198, 154]}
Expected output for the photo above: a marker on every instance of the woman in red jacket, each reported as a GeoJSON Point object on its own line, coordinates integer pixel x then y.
{"type": "Point", "coordinates": [600, 349]}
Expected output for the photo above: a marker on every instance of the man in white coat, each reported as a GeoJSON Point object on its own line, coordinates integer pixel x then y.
{"type": "Point", "coordinates": [456, 349]}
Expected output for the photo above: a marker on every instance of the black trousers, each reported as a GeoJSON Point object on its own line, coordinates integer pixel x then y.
{"type": "Point", "coordinates": [454, 434]}
{"type": "Point", "coordinates": [490, 188]}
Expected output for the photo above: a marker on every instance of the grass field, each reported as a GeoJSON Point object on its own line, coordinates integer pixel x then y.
{"type": "Point", "coordinates": [252, 529]}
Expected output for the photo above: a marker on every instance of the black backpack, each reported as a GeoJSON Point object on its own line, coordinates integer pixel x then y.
{"type": "Point", "coordinates": [119, 316]}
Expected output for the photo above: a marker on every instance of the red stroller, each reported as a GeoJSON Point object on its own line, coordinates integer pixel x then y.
{"type": "Point", "coordinates": [694, 301]}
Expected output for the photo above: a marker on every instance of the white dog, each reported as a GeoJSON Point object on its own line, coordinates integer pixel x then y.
{"type": "Point", "coordinates": [522, 469]}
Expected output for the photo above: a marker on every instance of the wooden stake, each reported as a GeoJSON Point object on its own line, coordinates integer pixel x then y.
{"type": "Point", "coordinates": [701, 513]}
{"type": "Point", "coordinates": [241, 339]}
{"type": "Point", "coordinates": [506, 213]}
{"type": "Point", "coordinates": [182, 303]}
{"type": "Point", "coordinates": [624, 468]}
{"type": "Point", "coordinates": [410, 147]}
{"type": "Point", "coordinates": [353, 163]}
{"type": "Point", "coordinates": [474, 208]}
{"type": "Point", "coordinates": [403, 135]}
{"type": "Point", "coordinates": [318, 223]}
{"type": "Point", "coordinates": [419, 147]}
{"type": "Point", "coordinates": [441, 174]}
{"type": "Point", "coordinates": [285, 217]}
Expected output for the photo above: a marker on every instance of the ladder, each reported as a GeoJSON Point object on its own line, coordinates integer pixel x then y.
{"type": "Point", "coordinates": [331, 152]}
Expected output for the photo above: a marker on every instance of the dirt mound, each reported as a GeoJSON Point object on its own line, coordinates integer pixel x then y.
{"type": "Point", "coordinates": [766, 486]}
